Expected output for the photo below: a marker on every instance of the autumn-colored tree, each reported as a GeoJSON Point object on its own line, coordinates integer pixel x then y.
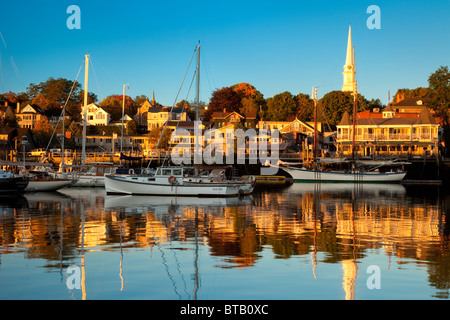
{"type": "Point", "coordinates": [42, 132]}
{"type": "Point", "coordinates": [419, 92]}
{"type": "Point", "coordinates": [41, 101]}
{"type": "Point", "coordinates": [9, 96]}
{"type": "Point", "coordinates": [251, 99]}
{"type": "Point", "coordinates": [245, 90]}
{"type": "Point", "coordinates": [225, 98]}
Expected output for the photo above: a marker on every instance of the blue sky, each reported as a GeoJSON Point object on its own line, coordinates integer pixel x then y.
{"type": "Point", "coordinates": [276, 46]}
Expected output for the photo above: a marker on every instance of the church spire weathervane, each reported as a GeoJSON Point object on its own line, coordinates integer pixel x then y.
{"type": "Point", "coordinates": [349, 67]}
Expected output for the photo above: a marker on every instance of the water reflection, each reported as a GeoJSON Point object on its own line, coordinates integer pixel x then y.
{"type": "Point", "coordinates": [327, 224]}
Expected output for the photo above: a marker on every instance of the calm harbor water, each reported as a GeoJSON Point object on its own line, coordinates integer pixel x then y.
{"type": "Point", "coordinates": [306, 241]}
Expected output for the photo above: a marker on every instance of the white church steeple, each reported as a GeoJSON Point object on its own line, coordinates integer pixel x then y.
{"type": "Point", "coordinates": [349, 67]}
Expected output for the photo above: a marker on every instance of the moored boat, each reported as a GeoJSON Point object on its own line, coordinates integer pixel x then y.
{"type": "Point", "coordinates": [12, 183]}
{"type": "Point", "coordinates": [42, 181]}
{"type": "Point", "coordinates": [171, 181]}
{"type": "Point", "coordinates": [306, 175]}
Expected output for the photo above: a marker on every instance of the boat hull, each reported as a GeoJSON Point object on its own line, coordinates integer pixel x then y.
{"type": "Point", "coordinates": [304, 175]}
{"type": "Point", "coordinates": [13, 184]}
{"type": "Point", "coordinates": [138, 186]}
{"type": "Point", "coordinates": [47, 185]}
{"type": "Point", "coordinates": [89, 181]}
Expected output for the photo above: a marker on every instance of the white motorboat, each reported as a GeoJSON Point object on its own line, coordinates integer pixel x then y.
{"type": "Point", "coordinates": [246, 184]}
{"type": "Point", "coordinates": [179, 180]}
{"type": "Point", "coordinates": [170, 181]}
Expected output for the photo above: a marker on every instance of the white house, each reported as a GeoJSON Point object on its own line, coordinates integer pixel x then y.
{"type": "Point", "coordinates": [96, 116]}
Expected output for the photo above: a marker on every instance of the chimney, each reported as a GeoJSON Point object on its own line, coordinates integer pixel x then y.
{"type": "Point", "coordinates": [18, 108]}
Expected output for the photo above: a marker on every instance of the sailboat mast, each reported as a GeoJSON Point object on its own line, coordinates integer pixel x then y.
{"type": "Point", "coordinates": [315, 122]}
{"type": "Point", "coordinates": [123, 114]}
{"type": "Point", "coordinates": [197, 154]}
{"type": "Point", "coordinates": [197, 101]}
{"type": "Point", "coordinates": [63, 138]}
{"type": "Point", "coordinates": [86, 77]}
{"type": "Point", "coordinates": [355, 92]}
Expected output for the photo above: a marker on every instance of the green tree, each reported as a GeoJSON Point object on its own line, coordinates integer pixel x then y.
{"type": "Point", "coordinates": [281, 106]}
{"type": "Point", "coordinates": [91, 98]}
{"type": "Point", "coordinates": [139, 100]}
{"type": "Point", "coordinates": [439, 99]}
{"type": "Point", "coordinates": [333, 105]}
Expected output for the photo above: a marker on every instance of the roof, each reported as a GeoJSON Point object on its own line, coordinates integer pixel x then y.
{"type": "Point", "coordinates": [182, 124]}
{"type": "Point", "coordinates": [165, 109]}
{"type": "Point", "coordinates": [409, 102]}
{"type": "Point", "coordinates": [345, 121]}
{"type": "Point", "coordinates": [425, 117]}
{"type": "Point", "coordinates": [35, 107]}
{"type": "Point", "coordinates": [225, 114]}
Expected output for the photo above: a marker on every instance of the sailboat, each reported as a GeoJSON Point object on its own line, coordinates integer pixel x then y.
{"type": "Point", "coordinates": [355, 173]}
{"type": "Point", "coordinates": [40, 179]}
{"type": "Point", "coordinates": [88, 174]}
{"type": "Point", "coordinates": [178, 180]}
{"type": "Point", "coordinates": [43, 181]}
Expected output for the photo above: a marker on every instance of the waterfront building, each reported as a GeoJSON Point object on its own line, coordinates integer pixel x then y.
{"type": "Point", "coordinates": [407, 128]}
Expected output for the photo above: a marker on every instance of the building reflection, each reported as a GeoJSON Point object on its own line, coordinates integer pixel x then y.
{"type": "Point", "coordinates": [341, 222]}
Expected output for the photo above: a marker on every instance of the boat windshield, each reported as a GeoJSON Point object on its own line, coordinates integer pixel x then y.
{"type": "Point", "coordinates": [169, 172]}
